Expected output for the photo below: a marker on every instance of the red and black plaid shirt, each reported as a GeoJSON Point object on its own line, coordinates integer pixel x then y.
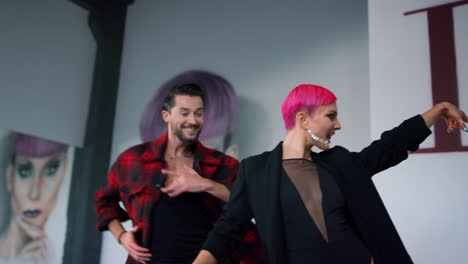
{"type": "Point", "coordinates": [133, 179]}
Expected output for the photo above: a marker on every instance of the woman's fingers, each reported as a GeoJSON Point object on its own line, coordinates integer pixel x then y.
{"type": "Point", "coordinates": [36, 249]}
{"type": "Point", "coordinates": [454, 118]}
{"type": "Point", "coordinates": [462, 122]}
{"type": "Point", "coordinates": [33, 231]}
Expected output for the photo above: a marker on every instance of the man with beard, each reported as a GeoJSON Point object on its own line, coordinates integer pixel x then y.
{"type": "Point", "coordinates": [172, 188]}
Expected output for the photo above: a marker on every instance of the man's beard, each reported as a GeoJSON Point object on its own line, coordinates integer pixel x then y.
{"type": "Point", "coordinates": [178, 133]}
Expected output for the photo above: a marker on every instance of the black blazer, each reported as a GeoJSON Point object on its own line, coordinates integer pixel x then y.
{"type": "Point", "coordinates": [256, 194]}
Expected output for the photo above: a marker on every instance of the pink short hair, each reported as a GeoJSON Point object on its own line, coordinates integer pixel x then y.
{"type": "Point", "coordinates": [305, 97]}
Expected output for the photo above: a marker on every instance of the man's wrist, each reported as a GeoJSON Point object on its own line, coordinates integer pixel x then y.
{"type": "Point", "coordinates": [119, 237]}
{"type": "Point", "coordinates": [208, 185]}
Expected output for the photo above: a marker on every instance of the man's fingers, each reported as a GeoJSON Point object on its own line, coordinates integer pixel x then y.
{"type": "Point", "coordinates": [142, 258]}
{"type": "Point", "coordinates": [175, 185]}
{"type": "Point", "coordinates": [137, 252]}
{"type": "Point", "coordinates": [137, 248]}
{"type": "Point", "coordinates": [146, 256]}
{"type": "Point", "coordinates": [169, 172]}
{"type": "Point", "coordinates": [175, 193]}
{"type": "Point", "coordinates": [140, 254]}
{"type": "Point", "coordinates": [139, 259]}
{"type": "Point", "coordinates": [187, 168]}
{"type": "Point", "coordinates": [167, 189]}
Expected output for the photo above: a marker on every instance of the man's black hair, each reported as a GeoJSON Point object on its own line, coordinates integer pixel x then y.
{"type": "Point", "coordinates": [190, 89]}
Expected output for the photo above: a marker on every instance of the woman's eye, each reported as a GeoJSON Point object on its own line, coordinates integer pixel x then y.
{"type": "Point", "coordinates": [24, 170]}
{"type": "Point", "coordinates": [332, 117]}
{"type": "Point", "coordinates": [51, 168]}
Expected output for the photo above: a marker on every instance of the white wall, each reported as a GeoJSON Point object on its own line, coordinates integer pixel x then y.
{"type": "Point", "coordinates": [425, 195]}
{"type": "Point", "coordinates": [47, 54]}
{"type": "Point", "coordinates": [264, 48]}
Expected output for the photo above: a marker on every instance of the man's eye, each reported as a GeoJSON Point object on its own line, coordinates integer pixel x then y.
{"type": "Point", "coordinates": [24, 170]}
{"type": "Point", "coordinates": [199, 114]}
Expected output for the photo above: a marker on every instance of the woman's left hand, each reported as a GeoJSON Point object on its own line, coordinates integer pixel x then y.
{"type": "Point", "coordinates": [36, 248]}
{"type": "Point", "coordinates": [453, 117]}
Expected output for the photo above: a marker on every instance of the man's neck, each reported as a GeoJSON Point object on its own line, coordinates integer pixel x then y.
{"type": "Point", "coordinates": [177, 149]}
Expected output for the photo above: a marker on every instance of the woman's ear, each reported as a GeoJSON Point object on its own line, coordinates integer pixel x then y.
{"type": "Point", "coordinates": [301, 119]}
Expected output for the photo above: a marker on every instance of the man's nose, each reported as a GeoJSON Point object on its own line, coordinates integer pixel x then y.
{"type": "Point", "coordinates": [192, 119]}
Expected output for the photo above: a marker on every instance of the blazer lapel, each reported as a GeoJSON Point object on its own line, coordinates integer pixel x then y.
{"type": "Point", "coordinates": [272, 172]}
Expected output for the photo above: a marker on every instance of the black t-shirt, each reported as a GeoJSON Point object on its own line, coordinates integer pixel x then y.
{"type": "Point", "coordinates": [180, 226]}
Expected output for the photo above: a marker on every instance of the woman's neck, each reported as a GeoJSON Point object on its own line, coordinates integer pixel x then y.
{"type": "Point", "coordinates": [295, 146]}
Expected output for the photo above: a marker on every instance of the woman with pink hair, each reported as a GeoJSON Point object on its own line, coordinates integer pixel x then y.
{"type": "Point", "coordinates": [321, 207]}
{"type": "Point", "coordinates": [34, 176]}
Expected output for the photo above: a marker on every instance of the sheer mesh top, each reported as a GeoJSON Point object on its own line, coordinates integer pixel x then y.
{"type": "Point", "coordinates": [303, 173]}
{"type": "Point", "coordinates": [317, 223]}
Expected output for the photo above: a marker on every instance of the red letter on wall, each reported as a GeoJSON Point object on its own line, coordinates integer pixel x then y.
{"type": "Point", "coordinates": [443, 70]}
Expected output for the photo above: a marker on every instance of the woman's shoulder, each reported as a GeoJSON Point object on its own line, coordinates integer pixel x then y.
{"type": "Point", "coordinates": [275, 153]}
{"type": "Point", "coordinates": [258, 158]}
{"type": "Point", "coordinates": [337, 152]}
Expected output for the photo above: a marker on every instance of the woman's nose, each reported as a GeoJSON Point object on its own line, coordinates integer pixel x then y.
{"type": "Point", "coordinates": [337, 125]}
{"type": "Point", "coordinates": [35, 188]}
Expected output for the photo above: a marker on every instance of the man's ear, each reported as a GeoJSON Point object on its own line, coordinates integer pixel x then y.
{"type": "Point", "coordinates": [9, 177]}
{"type": "Point", "coordinates": [166, 115]}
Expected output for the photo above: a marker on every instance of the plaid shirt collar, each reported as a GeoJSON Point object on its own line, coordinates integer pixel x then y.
{"type": "Point", "coordinates": [155, 152]}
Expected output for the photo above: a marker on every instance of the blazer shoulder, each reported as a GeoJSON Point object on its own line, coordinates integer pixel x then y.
{"type": "Point", "coordinates": [259, 158]}
{"type": "Point", "coordinates": [335, 153]}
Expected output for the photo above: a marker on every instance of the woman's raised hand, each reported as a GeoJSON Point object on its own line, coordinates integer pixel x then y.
{"type": "Point", "coordinates": [453, 117]}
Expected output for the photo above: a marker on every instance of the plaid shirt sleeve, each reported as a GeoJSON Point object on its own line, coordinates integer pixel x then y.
{"type": "Point", "coordinates": [249, 251]}
{"type": "Point", "coordinates": [228, 172]}
{"type": "Point", "coordinates": [107, 200]}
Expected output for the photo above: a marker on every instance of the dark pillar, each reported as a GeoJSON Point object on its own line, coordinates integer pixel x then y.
{"type": "Point", "coordinates": [107, 22]}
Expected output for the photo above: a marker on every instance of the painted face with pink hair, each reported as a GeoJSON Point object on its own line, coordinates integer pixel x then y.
{"type": "Point", "coordinates": [34, 177]}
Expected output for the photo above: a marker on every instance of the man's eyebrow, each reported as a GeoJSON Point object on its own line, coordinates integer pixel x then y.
{"type": "Point", "coordinates": [187, 109]}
